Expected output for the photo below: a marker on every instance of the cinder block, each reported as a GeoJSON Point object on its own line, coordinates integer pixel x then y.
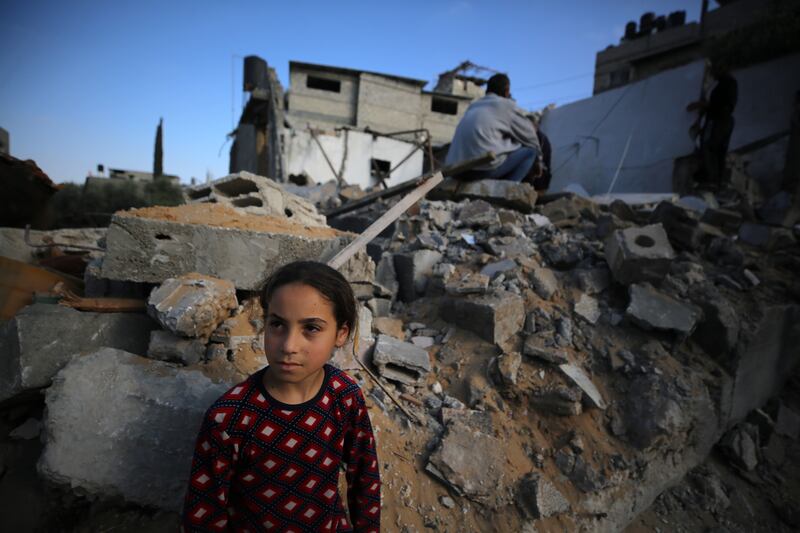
{"type": "Point", "coordinates": [150, 246]}
{"type": "Point", "coordinates": [192, 305]}
{"type": "Point", "coordinates": [493, 317]}
{"type": "Point", "coordinates": [639, 254]}
{"type": "Point", "coordinates": [413, 271]}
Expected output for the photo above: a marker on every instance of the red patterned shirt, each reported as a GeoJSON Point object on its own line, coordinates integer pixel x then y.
{"type": "Point", "coordinates": [262, 465]}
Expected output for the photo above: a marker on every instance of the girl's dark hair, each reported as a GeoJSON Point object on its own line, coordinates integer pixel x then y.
{"type": "Point", "coordinates": [328, 281]}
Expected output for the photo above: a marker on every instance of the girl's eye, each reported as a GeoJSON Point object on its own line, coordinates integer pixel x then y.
{"type": "Point", "coordinates": [312, 328]}
{"type": "Point", "coordinates": [274, 324]}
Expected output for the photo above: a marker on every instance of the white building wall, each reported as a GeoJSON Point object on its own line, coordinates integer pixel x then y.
{"type": "Point", "coordinates": [303, 155]}
{"type": "Point", "coordinates": [642, 126]}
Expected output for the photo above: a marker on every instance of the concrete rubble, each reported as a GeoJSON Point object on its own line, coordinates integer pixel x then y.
{"type": "Point", "coordinates": [562, 364]}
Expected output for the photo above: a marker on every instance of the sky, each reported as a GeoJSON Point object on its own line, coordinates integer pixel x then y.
{"type": "Point", "coordinates": [85, 82]}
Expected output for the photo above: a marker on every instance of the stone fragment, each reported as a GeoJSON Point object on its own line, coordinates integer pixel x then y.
{"type": "Point", "coordinates": [422, 341]}
{"type": "Point", "coordinates": [156, 243]}
{"type": "Point", "coordinates": [42, 338]}
{"type": "Point", "coordinates": [380, 307]}
{"type": "Point", "coordinates": [385, 276]}
{"type": "Point", "coordinates": [493, 317]}
{"type": "Point", "coordinates": [561, 401]}
{"type": "Point", "coordinates": [447, 502]}
{"type": "Point", "coordinates": [192, 305]}
{"type": "Point", "coordinates": [592, 281]}
{"type": "Point", "coordinates": [564, 255]}
{"type": "Point", "coordinates": [400, 361]}
{"type": "Point", "coordinates": [121, 425]}
{"type": "Point", "coordinates": [478, 214]}
{"type": "Point", "coordinates": [561, 210]}
{"type": "Point", "coordinates": [498, 267]}
{"type": "Point", "coordinates": [468, 283]}
{"type": "Point", "coordinates": [651, 309]}
{"type": "Point", "coordinates": [388, 326]}
{"type": "Point", "coordinates": [788, 422]}
{"type": "Point", "coordinates": [256, 195]}
{"type": "Point", "coordinates": [166, 346]}
{"type": "Point", "coordinates": [582, 381]}
{"type": "Point", "coordinates": [740, 445]}
{"type": "Point", "coordinates": [469, 461]}
{"type": "Point", "coordinates": [582, 475]}
{"type": "Point", "coordinates": [586, 307]}
{"type": "Point", "coordinates": [680, 224]}
{"type": "Point", "coordinates": [519, 196]}
{"type": "Point", "coordinates": [718, 331]}
{"type": "Point", "coordinates": [532, 348]}
{"type": "Point", "coordinates": [511, 246]}
{"type": "Point", "coordinates": [639, 254]}
{"type": "Point", "coordinates": [538, 498]}
{"type": "Point", "coordinates": [507, 366]}
{"type": "Point", "coordinates": [413, 271]}
{"type": "Point", "coordinates": [651, 410]}
{"type": "Point", "coordinates": [544, 282]}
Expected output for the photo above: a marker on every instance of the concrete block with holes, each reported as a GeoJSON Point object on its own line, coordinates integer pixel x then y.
{"type": "Point", "coordinates": [256, 195]}
{"type": "Point", "coordinates": [639, 254]}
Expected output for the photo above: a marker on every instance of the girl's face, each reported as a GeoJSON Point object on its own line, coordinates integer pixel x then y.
{"type": "Point", "coordinates": [300, 333]}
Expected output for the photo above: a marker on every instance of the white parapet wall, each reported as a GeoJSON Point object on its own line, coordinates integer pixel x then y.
{"type": "Point", "coordinates": [304, 156]}
{"type": "Point", "coordinates": [639, 128]}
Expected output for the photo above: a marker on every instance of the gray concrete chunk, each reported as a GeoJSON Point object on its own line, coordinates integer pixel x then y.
{"type": "Point", "coordinates": [121, 425]}
{"type": "Point", "coordinates": [519, 196]}
{"type": "Point", "coordinates": [400, 361]}
{"type": "Point", "coordinates": [538, 498]}
{"type": "Point", "coordinates": [651, 309]}
{"type": "Point", "coordinates": [42, 338]}
{"type": "Point", "coordinates": [544, 282]}
{"type": "Point", "coordinates": [154, 249]}
{"type": "Point", "coordinates": [587, 308]}
{"type": "Point", "coordinates": [166, 346]}
{"type": "Point", "coordinates": [493, 317]}
{"type": "Point", "coordinates": [192, 305]}
{"type": "Point", "coordinates": [639, 254]}
{"type": "Point", "coordinates": [413, 272]}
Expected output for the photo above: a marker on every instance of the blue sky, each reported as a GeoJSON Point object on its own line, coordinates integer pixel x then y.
{"type": "Point", "coordinates": [86, 82]}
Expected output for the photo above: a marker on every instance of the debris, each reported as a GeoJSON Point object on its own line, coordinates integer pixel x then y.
{"type": "Point", "coordinates": [544, 282]}
{"type": "Point", "coordinates": [639, 254]}
{"type": "Point", "coordinates": [157, 243]}
{"type": "Point", "coordinates": [538, 498]}
{"type": "Point", "coordinates": [166, 346]}
{"type": "Point", "coordinates": [740, 445]}
{"type": "Point", "coordinates": [651, 309]}
{"type": "Point", "coordinates": [119, 424]}
{"type": "Point", "coordinates": [579, 378]}
{"type": "Point", "coordinates": [554, 356]}
{"type": "Point", "coordinates": [469, 283]}
{"type": "Point", "coordinates": [42, 338]}
{"type": "Point", "coordinates": [469, 461]}
{"type": "Point", "coordinates": [192, 305]}
{"type": "Point", "coordinates": [507, 367]}
{"type": "Point", "coordinates": [413, 270]}
{"type": "Point", "coordinates": [586, 307]}
{"type": "Point", "coordinates": [561, 401]}
{"type": "Point", "coordinates": [389, 326]}
{"type": "Point", "coordinates": [519, 196]}
{"type": "Point", "coordinates": [400, 361]}
{"type": "Point", "coordinates": [493, 317]}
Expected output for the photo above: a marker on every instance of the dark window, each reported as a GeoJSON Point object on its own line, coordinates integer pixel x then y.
{"type": "Point", "coordinates": [380, 169]}
{"type": "Point", "coordinates": [323, 84]}
{"type": "Point", "coordinates": [443, 105]}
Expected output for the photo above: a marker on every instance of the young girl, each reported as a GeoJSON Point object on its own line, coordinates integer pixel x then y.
{"type": "Point", "coordinates": [269, 451]}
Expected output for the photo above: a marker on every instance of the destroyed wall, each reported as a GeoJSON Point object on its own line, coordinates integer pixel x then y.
{"type": "Point", "coordinates": [352, 153]}
{"type": "Point", "coordinates": [328, 104]}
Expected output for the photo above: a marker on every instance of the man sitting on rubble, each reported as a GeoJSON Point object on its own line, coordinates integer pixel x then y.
{"type": "Point", "coordinates": [495, 123]}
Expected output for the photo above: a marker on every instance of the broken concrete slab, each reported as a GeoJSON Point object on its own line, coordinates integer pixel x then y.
{"type": "Point", "coordinates": [493, 317]}
{"type": "Point", "coordinates": [592, 281]}
{"type": "Point", "coordinates": [400, 361]}
{"type": "Point", "coordinates": [639, 254]}
{"type": "Point", "coordinates": [582, 381]}
{"type": "Point", "coordinates": [519, 196]}
{"type": "Point", "coordinates": [42, 338]}
{"type": "Point", "coordinates": [651, 309]}
{"type": "Point", "coordinates": [469, 461]}
{"type": "Point", "coordinates": [256, 195]}
{"type": "Point", "coordinates": [413, 272]}
{"type": "Point", "coordinates": [192, 305]}
{"type": "Point", "coordinates": [156, 243]}
{"type": "Point", "coordinates": [587, 308]}
{"type": "Point", "coordinates": [740, 445]}
{"type": "Point", "coordinates": [478, 214]}
{"type": "Point", "coordinates": [121, 425]}
{"type": "Point", "coordinates": [498, 267]}
{"type": "Point", "coordinates": [507, 368]}
{"type": "Point", "coordinates": [468, 283]}
{"type": "Point", "coordinates": [166, 346]}
{"type": "Point", "coordinates": [538, 498]}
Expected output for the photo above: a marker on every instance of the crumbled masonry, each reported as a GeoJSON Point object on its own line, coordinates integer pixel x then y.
{"type": "Point", "coordinates": [562, 365]}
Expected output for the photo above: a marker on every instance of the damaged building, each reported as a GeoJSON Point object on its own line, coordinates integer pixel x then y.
{"type": "Point", "coordinates": [356, 127]}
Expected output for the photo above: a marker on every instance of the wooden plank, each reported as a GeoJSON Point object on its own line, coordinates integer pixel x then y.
{"type": "Point", "coordinates": [387, 218]}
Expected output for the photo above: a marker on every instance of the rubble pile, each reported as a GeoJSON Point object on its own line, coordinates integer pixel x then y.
{"type": "Point", "coordinates": [544, 363]}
